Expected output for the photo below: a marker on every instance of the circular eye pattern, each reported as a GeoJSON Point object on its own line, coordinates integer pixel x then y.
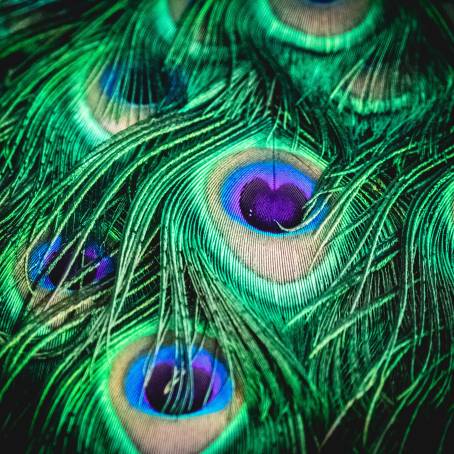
{"type": "Point", "coordinates": [139, 87]}
{"type": "Point", "coordinates": [269, 196]}
{"type": "Point", "coordinates": [258, 199]}
{"type": "Point", "coordinates": [124, 94]}
{"type": "Point", "coordinates": [50, 279]}
{"type": "Point", "coordinates": [259, 220]}
{"type": "Point", "coordinates": [319, 25]}
{"type": "Point", "coordinates": [173, 389]}
{"type": "Point", "coordinates": [48, 266]}
{"type": "Point", "coordinates": [167, 404]}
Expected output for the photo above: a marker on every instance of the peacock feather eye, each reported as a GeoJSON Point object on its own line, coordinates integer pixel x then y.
{"type": "Point", "coordinates": [52, 279]}
{"type": "Point", "coordinates": [124, 94]}
{"type": "Point", "coordinates": [259, 200]}
{"type": "Point", "coordinates": [50, 266]}
{"type": "Point", "coordinates": [269, 197]}
{"type": "Point", "coordinates": [172, 399]}
{"type": "Point", "coordinates": [140, 85]}
{"type": "Point", "coordinates": [204, 384]}
{"type": "Point", "coordinates": [319, 25]}
{"type": "Point", "coordinates": [262, 223]}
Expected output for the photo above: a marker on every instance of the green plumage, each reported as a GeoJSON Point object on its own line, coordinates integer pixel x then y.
{"type": "Point", "coordinates": [120, 126]}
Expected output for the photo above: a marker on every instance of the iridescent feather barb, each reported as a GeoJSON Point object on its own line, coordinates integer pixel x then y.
{"type": "Point", "coordinates": [226, 226]}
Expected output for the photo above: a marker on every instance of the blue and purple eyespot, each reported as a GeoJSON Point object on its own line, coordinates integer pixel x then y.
{"type": "Point", "coordinates": [270, 197]}
{"type": "Point", "coordinates": [128, 92]}
{"type": "Point", "coordinates": [48, 267]}
{"type": "Point", "coordinates": [137, 85]}
{"type": "Point", "coordinates": [162, 386]}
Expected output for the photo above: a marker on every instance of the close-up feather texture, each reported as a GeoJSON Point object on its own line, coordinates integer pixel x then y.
{"type": "Point", "coordinates": [226, 226]}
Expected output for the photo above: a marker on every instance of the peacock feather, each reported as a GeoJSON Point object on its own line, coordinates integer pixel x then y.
{"type": "Point", "coordinates": [226, 225]}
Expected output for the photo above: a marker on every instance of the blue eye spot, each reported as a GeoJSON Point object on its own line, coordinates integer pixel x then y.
{"type": "Point", "coordinates": [47, 266]}
{"type": "Point", "coordinates": [172, 390]}
{"type": "Point", "coordinates": [143, 86]}
{"type": "Point", "coordinates": [270, 197]}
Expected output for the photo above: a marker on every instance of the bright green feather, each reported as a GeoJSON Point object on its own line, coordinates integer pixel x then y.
{"type": "Point", "coordinates": [121, 126]}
